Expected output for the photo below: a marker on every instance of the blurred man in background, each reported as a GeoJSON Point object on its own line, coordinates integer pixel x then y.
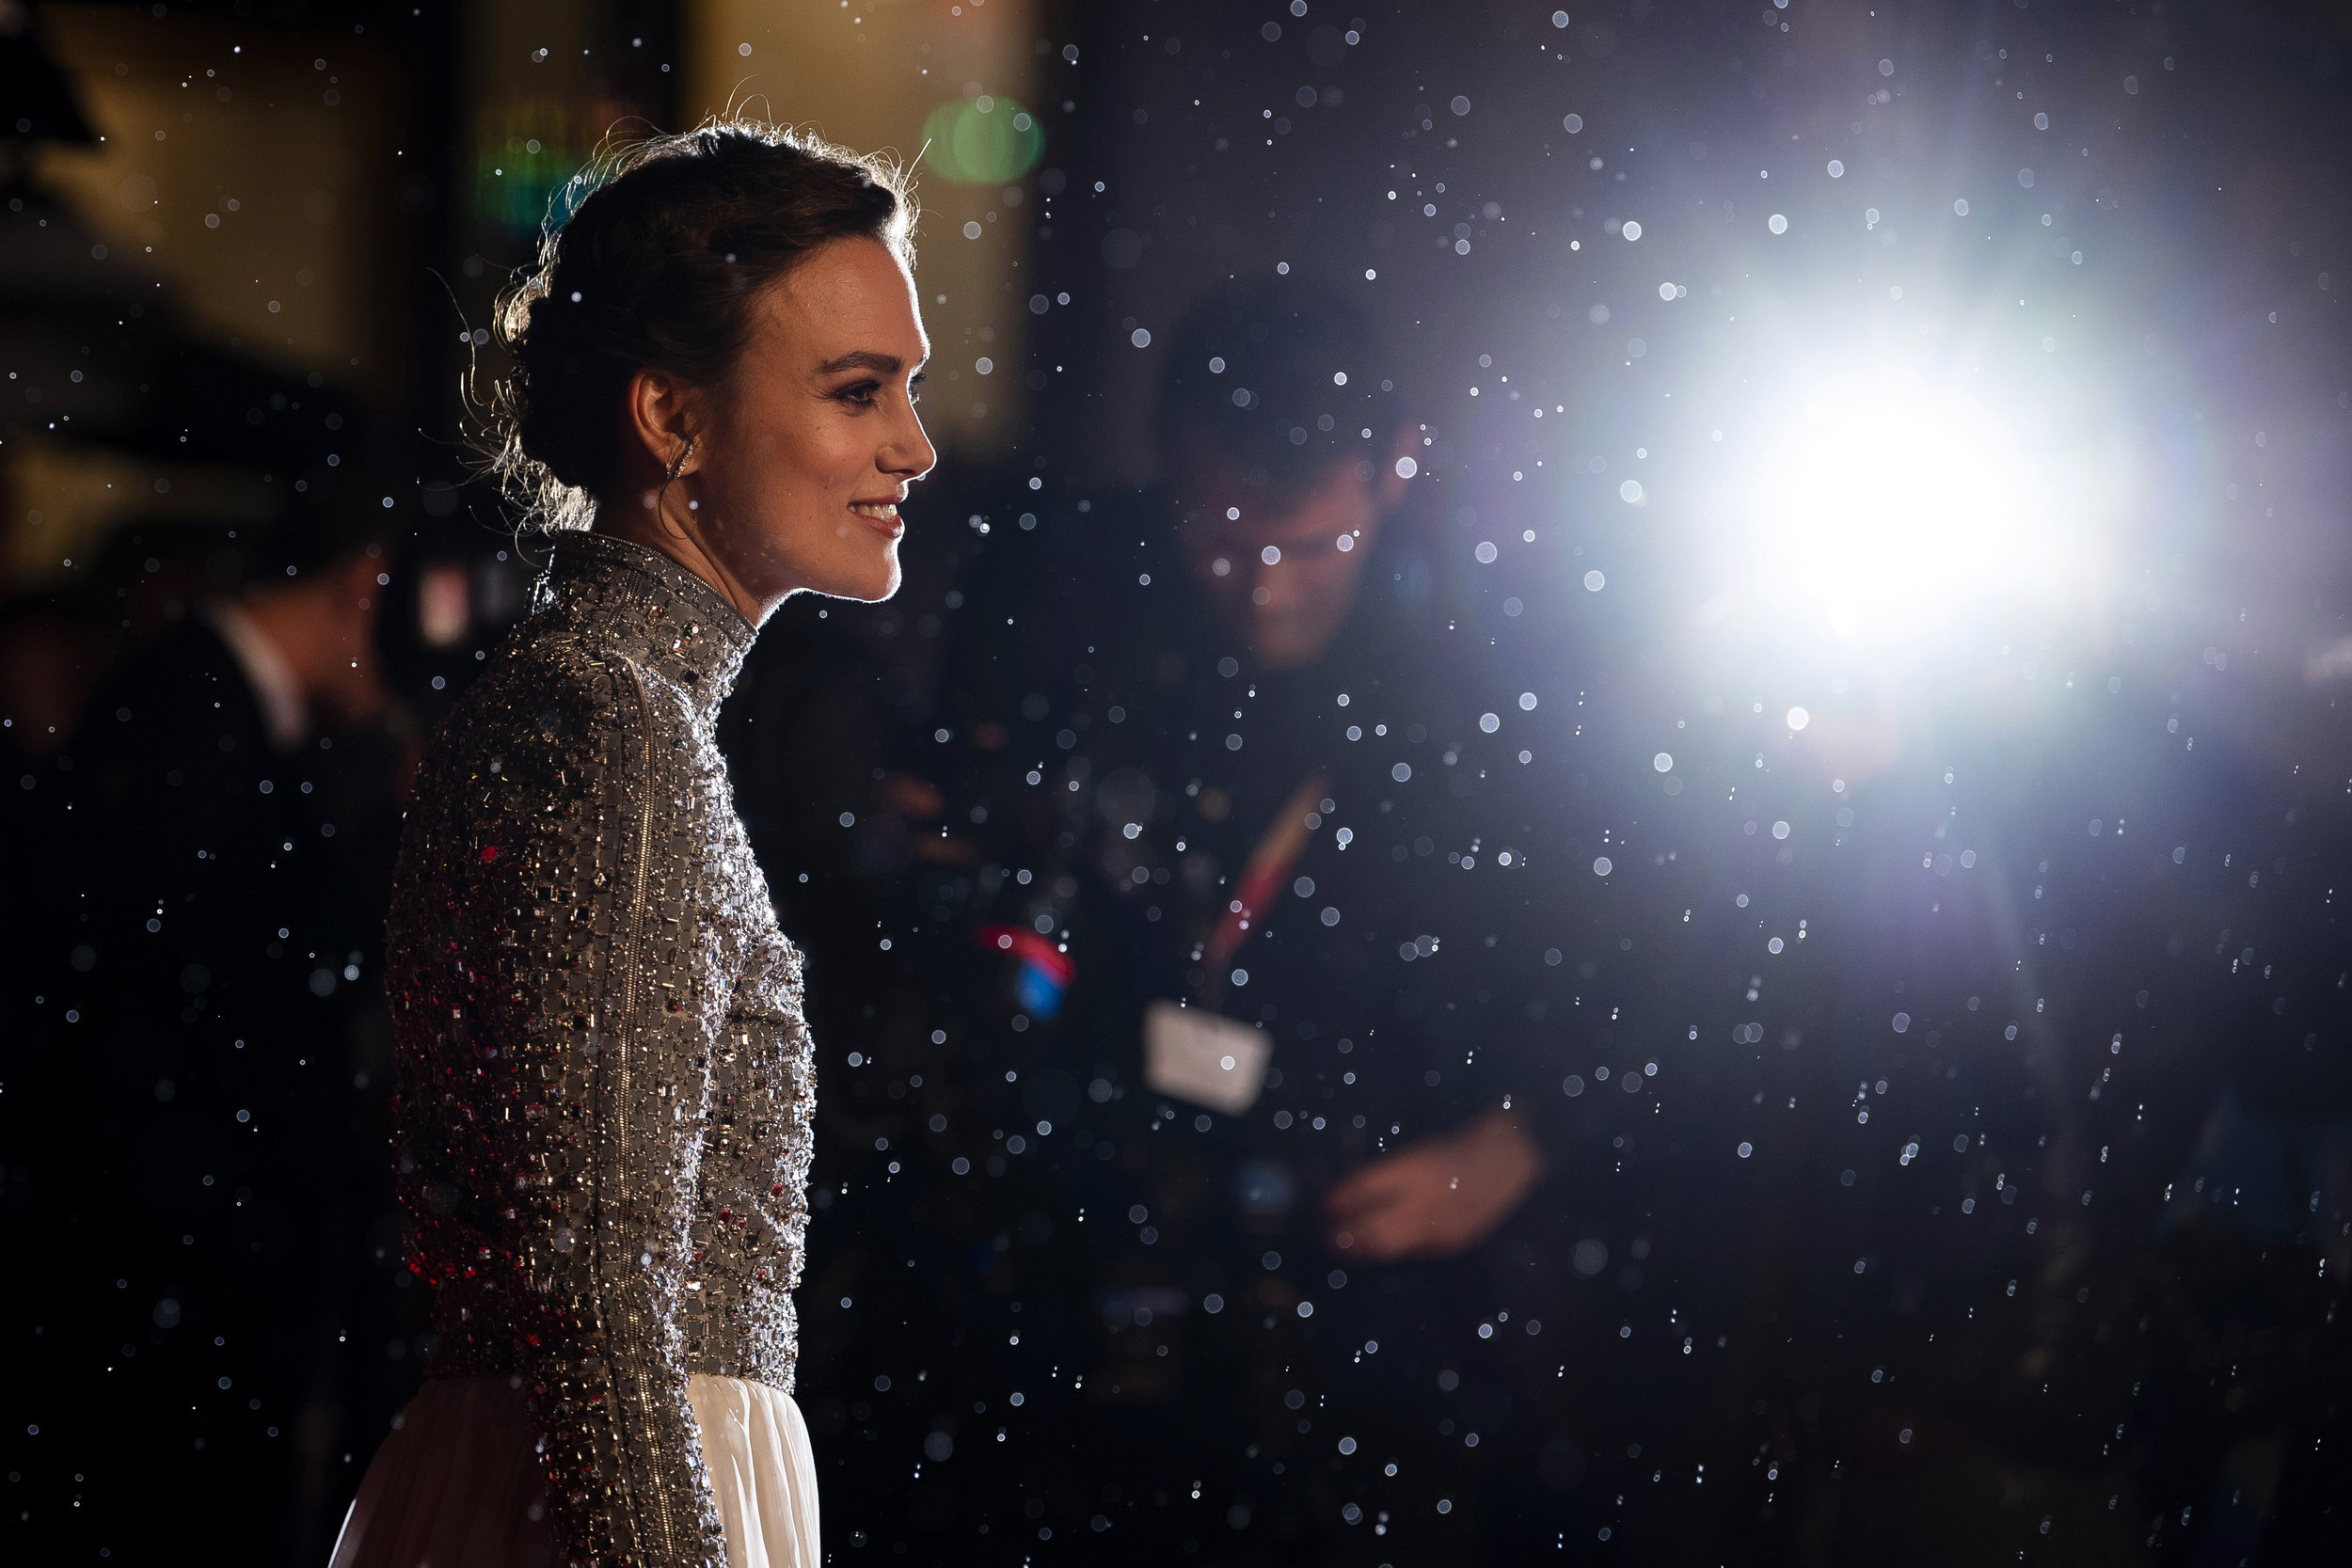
{"type": "Point", "coordinates": [216, 1325]}
{"type": "Point", "coordinates": [1245, 829]}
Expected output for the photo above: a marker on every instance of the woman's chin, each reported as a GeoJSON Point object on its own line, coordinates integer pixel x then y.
{"type": "Point", "coordinates": [867, 582]}
{"type": "Point", "coordinates": [886, 587]}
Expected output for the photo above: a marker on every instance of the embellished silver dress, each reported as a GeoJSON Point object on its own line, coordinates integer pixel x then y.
{"type": "Point", "coordinates": [604, 1083]}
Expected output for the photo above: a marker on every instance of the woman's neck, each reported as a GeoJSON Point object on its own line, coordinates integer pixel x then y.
{"type": "Point", "coordinates": [647, 525]}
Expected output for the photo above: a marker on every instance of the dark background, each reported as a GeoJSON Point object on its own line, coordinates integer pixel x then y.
{"type": "Point", "coordinates": [2194, 164]}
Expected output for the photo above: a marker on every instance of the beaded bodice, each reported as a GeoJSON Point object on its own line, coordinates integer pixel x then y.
{"type": "Point", "coordinates": [605, 1084]}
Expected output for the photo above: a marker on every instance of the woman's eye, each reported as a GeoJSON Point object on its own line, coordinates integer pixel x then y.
{"type": "Point", "coordinates": [859, 392]}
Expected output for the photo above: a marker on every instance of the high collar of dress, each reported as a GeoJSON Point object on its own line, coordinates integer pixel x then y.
{"type": "Point", "coordinates": [638, 602]}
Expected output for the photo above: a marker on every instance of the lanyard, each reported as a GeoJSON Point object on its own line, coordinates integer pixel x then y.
{"type": "Point", "coordinates": [1260, 883]}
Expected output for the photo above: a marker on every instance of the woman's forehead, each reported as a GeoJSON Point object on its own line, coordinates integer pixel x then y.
{"type": "Point", "coordinates": [850, 296]}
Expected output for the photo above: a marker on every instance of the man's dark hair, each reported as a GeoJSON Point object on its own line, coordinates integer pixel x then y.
{"type": "Point", "coordinates": [1282, 376]}
{"type": "Point", "coordinates": [322, 526]}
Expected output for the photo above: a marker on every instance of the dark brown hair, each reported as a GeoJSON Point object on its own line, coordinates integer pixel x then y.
{"type": "Point", "coordinates": [656, 268]}
{"type": "Point", "coordinates": [1280, 375]}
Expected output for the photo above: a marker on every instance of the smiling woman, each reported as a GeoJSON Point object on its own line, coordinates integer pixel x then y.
{"type": "Point", "coordinates": [606, 1080]}
{"type": "Point", "coordinates": [717, 358]}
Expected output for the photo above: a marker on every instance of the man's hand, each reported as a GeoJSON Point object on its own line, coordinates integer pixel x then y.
{"type": "Point", "coordinates": [1441, 1196]}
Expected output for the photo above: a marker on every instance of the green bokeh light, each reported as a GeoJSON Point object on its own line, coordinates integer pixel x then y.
{"type": "Point", "coordinates": [982, 141]}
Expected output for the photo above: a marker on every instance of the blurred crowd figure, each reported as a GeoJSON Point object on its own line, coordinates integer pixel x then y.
{"type": "Point", "coordinates": [1168, 821]}
{"type": "Point", "coordinates": [1290, 1091]}
{"type": "Point", "coordinates": [196, 1117]}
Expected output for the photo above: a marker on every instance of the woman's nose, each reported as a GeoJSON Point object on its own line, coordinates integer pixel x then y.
{"type": "Point", "coordinates": [909, 453]}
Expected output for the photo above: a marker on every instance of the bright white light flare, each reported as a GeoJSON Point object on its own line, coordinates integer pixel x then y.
{"type": "Point", "coordinates": [1889, 507]}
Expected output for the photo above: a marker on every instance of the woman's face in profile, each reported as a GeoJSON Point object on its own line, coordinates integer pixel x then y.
{"type": "Point", "coordinates": [797, 475]}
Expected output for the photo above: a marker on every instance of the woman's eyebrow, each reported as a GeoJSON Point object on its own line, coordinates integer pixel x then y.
{"type": "Point", "coordinates": [862, 359]}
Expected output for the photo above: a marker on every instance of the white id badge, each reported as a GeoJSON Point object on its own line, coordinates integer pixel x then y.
{"type": "Point", "coordinates": [1193, 1054]}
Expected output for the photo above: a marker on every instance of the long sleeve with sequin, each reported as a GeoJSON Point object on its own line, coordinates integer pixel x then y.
{"type": "Point", "coordinates": [605, 1082]}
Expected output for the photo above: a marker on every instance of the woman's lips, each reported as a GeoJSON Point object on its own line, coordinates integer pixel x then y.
{"type": "Point", "coordinates": [883, 516]}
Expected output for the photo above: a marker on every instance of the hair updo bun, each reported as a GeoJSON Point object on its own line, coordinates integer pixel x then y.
{"type": "Point", "coordinates": [655, 269]}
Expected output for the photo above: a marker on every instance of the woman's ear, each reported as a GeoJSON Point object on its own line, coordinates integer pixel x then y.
{"type": "Point", "coordinates": [663, 419]}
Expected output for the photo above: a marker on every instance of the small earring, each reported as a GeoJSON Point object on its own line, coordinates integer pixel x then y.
{"type": "Point", "coordinates": [677, 465]}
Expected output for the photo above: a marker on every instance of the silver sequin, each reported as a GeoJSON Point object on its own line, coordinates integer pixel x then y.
{"type": "Point", "coordinates": [605, 1080]}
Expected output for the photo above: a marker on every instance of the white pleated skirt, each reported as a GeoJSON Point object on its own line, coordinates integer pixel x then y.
{"type": "Point", "coordinates": [457, 1484]}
